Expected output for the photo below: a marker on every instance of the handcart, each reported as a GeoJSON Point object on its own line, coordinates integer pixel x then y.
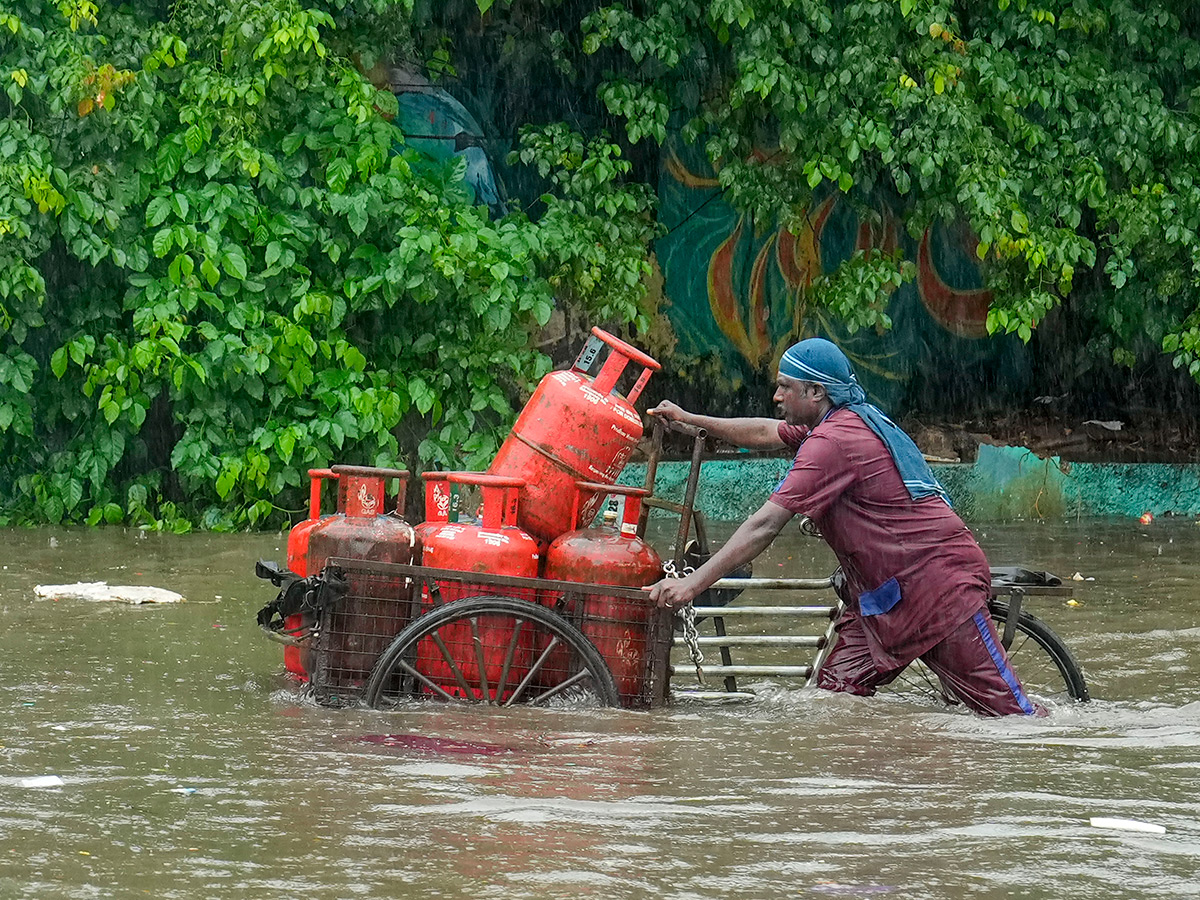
{"type": "Point", "coordinates": [388, 633]}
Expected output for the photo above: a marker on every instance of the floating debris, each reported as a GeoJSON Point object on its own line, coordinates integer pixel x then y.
{"type": "Point", "coordinates": [101, 591]}
{"type": "Point", "coordinates": [1127, 825]}
{"type": "Point", "coordinates": [1146, 518]}
{"type": "Point", "coordinates": [42, 781]}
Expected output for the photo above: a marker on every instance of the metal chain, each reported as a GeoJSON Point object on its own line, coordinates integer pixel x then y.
{"type": "Point", "coordinates": [692, 638]}
{"type": "Point", "coordinates": [670, 571]}
{"type": "Point", "coordinates": [688, 614]}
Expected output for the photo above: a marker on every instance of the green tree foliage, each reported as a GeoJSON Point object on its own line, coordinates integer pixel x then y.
{"type": "Point", "coordinates": [218, 269]}
{"type": "Point", "coordinates": [1064, 132]}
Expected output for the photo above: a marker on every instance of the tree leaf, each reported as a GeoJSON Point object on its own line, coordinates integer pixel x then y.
{"type": "Point", "coordinates": [163, 240]}
{"type": "Point", "coordinates": [234, 262]}
{"type": "Point", "coordinates": [210, 272]}
{"type": "Point", "coordinates": [157, 211]}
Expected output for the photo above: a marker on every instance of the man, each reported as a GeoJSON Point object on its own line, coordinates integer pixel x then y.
{"type": "Point", "coordinates": [918, 583]}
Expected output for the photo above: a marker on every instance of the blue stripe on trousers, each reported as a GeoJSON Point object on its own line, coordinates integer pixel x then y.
{"type": "Point", "coordinates": [1006, 672]}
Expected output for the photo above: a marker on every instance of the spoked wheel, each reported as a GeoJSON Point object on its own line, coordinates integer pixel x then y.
{"type": "Point", "coordinates": [1042, 661]}
{"type": "Point", "coordinates": [495, 650]}
{"type": "Point", "coordinates": [1046, 668]}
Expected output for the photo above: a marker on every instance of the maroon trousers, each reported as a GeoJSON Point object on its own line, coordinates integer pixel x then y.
{"type": "Point", "coordinates": [970, 663]}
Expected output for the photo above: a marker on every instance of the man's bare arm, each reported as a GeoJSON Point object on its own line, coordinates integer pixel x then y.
{"type": "Point", "coordinates": [751, 433]}
{"type": "Point", "coordinates": [752, 538]}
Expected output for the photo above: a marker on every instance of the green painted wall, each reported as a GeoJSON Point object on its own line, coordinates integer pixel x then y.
{"type": "Point", "coordinates": [1003, 483]}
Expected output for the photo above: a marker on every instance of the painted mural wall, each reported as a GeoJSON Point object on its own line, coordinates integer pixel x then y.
{"type": "Point", "coordinates": [737, 289]}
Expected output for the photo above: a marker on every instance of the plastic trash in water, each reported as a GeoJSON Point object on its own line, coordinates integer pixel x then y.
{"type": "Point", "coordinates": [182, 790]}
{"type": "Point", "coordinates": [42, 781]}
{"type": "Point", "coordinates": [1146, 518]}
{"type": "Point", "coordinates": [99, 591]}
{"type": "Point", "coordinates": [1127, 825]}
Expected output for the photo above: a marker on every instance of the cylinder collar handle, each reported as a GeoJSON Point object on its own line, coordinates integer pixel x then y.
{"type": "Point", "coordinates": [440, 499]}
{"type": "Point", "coordinates": [621, 354]}
{"type": "Point", "coordinates": [500, 496]}
{"type": "Point", "coordinates": [375, 472]}
{"type": "Point", "coordinates": [314, 490]}
{"type": "Point", "coordinates": [633, 503]}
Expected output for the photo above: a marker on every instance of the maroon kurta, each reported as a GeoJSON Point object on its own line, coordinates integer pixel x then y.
{"type": "Point", "coordinates": [844, 479]}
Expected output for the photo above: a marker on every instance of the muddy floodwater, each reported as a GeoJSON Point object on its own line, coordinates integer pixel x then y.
{"type": "Point", "coordinates": [192, 768]}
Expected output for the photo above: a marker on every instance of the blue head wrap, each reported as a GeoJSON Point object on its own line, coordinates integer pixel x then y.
{"type": "Point", "coordinates": [820, 361]}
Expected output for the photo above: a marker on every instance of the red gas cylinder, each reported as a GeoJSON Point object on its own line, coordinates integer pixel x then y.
{"type": "Point", "coordinates": [611, 553]}
{"type": "Point", "coordinates": [297, 561]}
{"type": "Point", "coordinates": [496, 546]}
{"type": "Point", "coordinates": [371, 613]}
{"type": "Point", "coordinates": [573, 427]}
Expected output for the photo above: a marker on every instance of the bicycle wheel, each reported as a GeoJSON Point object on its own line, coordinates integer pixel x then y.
{"type": "Point", "coordinates": [493, 650]}
{"type": "Point", "coordinates": [1042, 661]}
{"type": "Point", "coordinates": [1046, 668]}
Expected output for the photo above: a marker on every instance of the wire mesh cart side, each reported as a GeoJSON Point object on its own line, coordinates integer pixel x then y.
{"type": "Point", "coordinates": [502, 640]}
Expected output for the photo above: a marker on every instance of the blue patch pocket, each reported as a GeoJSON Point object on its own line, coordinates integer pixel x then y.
{"type": "Point", "coordinates": [880, 600]}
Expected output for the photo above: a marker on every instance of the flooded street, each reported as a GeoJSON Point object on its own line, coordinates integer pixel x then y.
{"type": "Point", "coordinates": [192, 768]}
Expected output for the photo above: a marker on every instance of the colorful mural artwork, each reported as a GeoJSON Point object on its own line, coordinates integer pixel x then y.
{"type": "Point", "coordinates": [737, 288]}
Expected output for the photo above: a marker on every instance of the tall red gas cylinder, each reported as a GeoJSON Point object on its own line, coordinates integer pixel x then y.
{"type": "Point", "coordinates": [573, 427]}
{"type": "Point", "coordinates": [612, 553]}
{"type": "Point", "coordinates": [297, 562]}
{"type": "Point", "coordinates": [375, 609]}
{"type": "Point", "coordinates": [495, 546]}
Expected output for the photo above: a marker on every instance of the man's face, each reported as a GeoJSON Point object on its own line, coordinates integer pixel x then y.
{"type": "Point", "coordinates": [799, 402]}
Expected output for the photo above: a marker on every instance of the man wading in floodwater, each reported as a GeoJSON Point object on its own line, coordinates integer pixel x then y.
{"type": "Point", "coordinates": [917, 582]}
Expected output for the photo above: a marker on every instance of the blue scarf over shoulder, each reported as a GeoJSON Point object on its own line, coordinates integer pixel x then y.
{"type": "Point", "coordinates": [820, 361]}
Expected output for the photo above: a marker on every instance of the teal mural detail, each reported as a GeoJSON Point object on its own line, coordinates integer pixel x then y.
{"type": "Point", "coordinates": [441, 129]}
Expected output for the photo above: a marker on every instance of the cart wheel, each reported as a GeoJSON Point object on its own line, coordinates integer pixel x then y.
{"type": "Point", "coordinates": [494, 650]}
{"type": "Point", "coordinates": [1048, 671]}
